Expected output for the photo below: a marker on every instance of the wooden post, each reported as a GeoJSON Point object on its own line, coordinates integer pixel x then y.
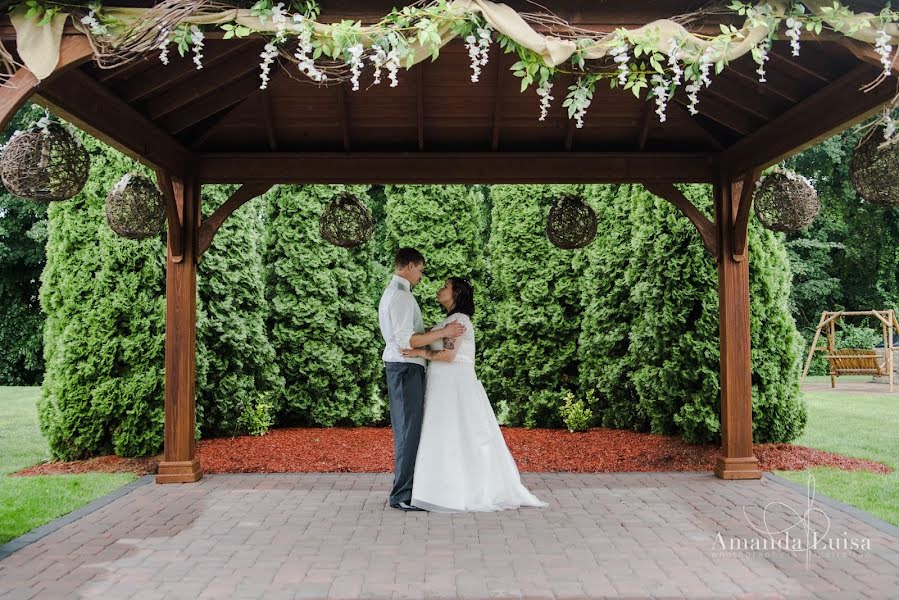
{"type": "Point", "coordinates": [736, 460]}
{"type": "Point", "coordinates": [180, 463]}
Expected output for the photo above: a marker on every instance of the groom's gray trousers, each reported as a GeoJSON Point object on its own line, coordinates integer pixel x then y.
{"type": "Point", "coordinates": [406, 389]}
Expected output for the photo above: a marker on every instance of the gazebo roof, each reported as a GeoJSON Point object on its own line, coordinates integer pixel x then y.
{"type": "Point", "coordinates": [439, 126]}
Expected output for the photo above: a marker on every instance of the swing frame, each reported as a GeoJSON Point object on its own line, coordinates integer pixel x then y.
{"type": "Point", "coordinates": [854, 361]}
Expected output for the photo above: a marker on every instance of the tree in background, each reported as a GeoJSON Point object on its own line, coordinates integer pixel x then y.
{"type": "Point", "coordinates": [233, 345]}
{"type": "Point", "coordinates": [104, 337]}
{"type": "Point", "coordinates": [23, 234]}
{"type": "Point", "coordinates": [322, 321]}
{"type": "Point", "coordinates": [671, 315]}
{"type": "Point", "coordinates": [444, 223]}
{"type": "Point", "coordinates": [529, 358]}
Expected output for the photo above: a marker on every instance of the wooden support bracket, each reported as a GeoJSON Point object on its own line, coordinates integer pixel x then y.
{"type": "Point", "coordinates": [172, 214]}
{"type": "Point", "coordinates": [741, 216]}
{"type": "Point", "coordinates": [209, 226]}
{"type": "Point", "coordinates": [704, 226]}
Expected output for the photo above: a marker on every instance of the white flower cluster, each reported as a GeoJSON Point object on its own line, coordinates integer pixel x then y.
{"type": "Point", "coordinates": [620, 56]}
{"type": "Point", "coordinates": [304, 49]}
{"type": "Point", "coordinates": [883, 48]}
{"type": "Point", "coordinates": [762, 57]}
{"type": "Point", "coordinates": [196, 38]}
{"type": "Point", "coordinates": [355, 52]}
{"type": "Point", "coordinates": [478, 50]}
{"type": "Point", "coordinates": [91, 21]}
{"type": "Point", "coordinates": [270, 51]}
{"type": "Point", "coordinates": [163, 44]}
{"type": "Point", "coordinates": [545, 98]}
{"type": "Point", "coordinates": [580, 99]}
{"type": "Point", "coordinates": [673, 64]}
{"type": "Point", "coordinates": [889, 127]}
{"type": "Point", "coordinates": [794, 30]}
{"type": "Point", "coordinates": [380, 59]}
{"type": "Point", "coordinates": [692, 88]}
{"type": "Point", "coordinates": [660, 90]}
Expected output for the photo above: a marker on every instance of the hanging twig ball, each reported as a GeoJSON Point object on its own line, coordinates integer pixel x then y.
{"type": "Point", "coordinates": [571, 223]}
{"type": "Point", "coordinates": [785, 201]}
{"type": "Point", "coordinates": [346, 222]}
{"type": "Point", "coordinates": [45, 163]}
{"type": "Point", "coordinates": [874, 171]}
{"type": "Point", "coordinates": [135, 208]}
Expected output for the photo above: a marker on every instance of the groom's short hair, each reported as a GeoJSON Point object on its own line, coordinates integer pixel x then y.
{"type": "Point", "coordinates": [404, 256]}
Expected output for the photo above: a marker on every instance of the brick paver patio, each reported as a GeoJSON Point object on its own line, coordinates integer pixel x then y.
{"type": "Point", "coordinates": [331, 536]}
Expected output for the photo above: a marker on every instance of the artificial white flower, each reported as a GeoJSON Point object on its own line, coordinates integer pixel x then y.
{"type": "Point", "coordinates": [660, 90]}
{"type": "Point", "coordinates": [761, 56]}
{"type": "Point", "coordinates": [620, 56]}
{"type": "Point", "coordinates": [196, 38]}
{"type": "Point", "coordinates": [579, 97]}
{"type": "Point", "coordinates": [478, 50]}
{"type": "Point", "coordinates": [356, 63]}
{"type": "Point", "coordinates": [393, 66]}
{"type": "Point", "coordinates": [304, 49]}
{"type": "Point", "coordinates": [673, 64]}
{"type": "Point", "coordinates": [377, 58]}
{"type": "Point", "coordinates": [794, 30]}
{"type": "Point", "coordinates": [91, 21]}
{"type": "Point", "coordinates": [164, 45]}
{"type": "Point", "coordinates": [545, 98]}
{"type": "Point", "coordinates": [883, 49]}
{"type": "Point", "coordinates": [268, 55]}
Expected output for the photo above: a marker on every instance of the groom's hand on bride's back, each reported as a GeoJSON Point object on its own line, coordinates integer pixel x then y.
{"type": "Point", "coordinates": [453, 330]}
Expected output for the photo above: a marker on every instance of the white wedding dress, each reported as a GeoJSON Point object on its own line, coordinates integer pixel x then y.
{"type": "Point", "coordinates": [463, 463]}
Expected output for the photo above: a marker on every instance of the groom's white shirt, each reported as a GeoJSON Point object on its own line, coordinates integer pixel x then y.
{"type": "Point", "coordinates": [400, 318]}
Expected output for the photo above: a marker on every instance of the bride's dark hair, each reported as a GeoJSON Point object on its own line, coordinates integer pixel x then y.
{"type": "Point", "coordinates": [463, 297]}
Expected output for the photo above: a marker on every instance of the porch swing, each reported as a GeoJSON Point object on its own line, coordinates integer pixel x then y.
{"type": "Point", "coordinates": [855, 361]}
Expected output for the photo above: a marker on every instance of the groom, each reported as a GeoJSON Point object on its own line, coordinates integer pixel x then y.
{"type": "Point", "coordinates": [402, 327]}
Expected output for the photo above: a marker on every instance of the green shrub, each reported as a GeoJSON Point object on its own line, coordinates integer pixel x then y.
{"type": "Point", "coordinates": [257, 418]}
{"type": "Point", "coordinates": [575, 414]}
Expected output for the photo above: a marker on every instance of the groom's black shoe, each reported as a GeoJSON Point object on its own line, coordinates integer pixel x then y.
{"type": "Point", "coordinates": [402, 505]}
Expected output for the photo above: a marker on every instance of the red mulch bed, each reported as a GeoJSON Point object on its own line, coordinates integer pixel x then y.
{"type": "Point", "coordinates": [370, 449]}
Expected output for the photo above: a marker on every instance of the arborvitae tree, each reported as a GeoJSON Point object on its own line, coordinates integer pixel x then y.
{"type": "Point", "coordinates": [104, 336]}
{"type": "Point", "coordinates": [232, 340]}
{"type": "Point", "coordinates": [674, 352]}
{"type": "Point", "coordinates": [323, 321]}
{"type": "Point", "coordinates": [444, 223]}
{"type": "Point", "coordinates": [23, 234]}
{"type": "Point", "coordinates": [608, 313]}
{"type": "Point", "coordinates": [529, 357]}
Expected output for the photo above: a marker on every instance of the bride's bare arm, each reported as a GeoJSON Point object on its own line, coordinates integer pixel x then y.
{"type": "Point", "coordinates": [448, 354]}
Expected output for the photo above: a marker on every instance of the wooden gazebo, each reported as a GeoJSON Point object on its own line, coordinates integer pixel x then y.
{"type": "Point", "coordinates": [216, 126]}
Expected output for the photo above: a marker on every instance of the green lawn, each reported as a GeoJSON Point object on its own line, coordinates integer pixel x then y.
{"type": "Point", "coordinates": [28, 502]}
{"type": "Point", "coordinates": [856, 425]}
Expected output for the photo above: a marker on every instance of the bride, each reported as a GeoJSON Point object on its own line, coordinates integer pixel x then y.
{"type": "Point", "coordinates": [462, 463]}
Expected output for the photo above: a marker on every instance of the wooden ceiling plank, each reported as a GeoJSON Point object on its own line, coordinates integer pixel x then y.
{"type": "Point", "coordinates": [205, 107]}
{"type": "Point", "coordinates": [832, 109]}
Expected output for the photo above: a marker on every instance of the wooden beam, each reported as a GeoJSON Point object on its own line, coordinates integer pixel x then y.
{"type": "Point", "coordinates": [79, 99]}
{"type": "Point", "coordinates": [831, 110]}
{"type": "Point", "coordinates": [167, 76]}
{"type": "Point", "coordinates": [207, 82]}
{"type": "Point", "coordinates": [173, 215]}
{"type": "Point", "coordinates": [458, 167]}
{"type": "Point", "coordinates": [796, 64]}
{"type": "Point", "coordinates": [777, 83]}
{"type": "Point", "coordinates": [268, 120]}
{"type": "Point", "coordinates": [73, 51]}
{"type": "Point", "coordinates": [343, 116]}
{"type": "Point", "coordinates": [703, 224]}
{"type": "Point", "coordinates": [743, 190]}
{"type": "Point", "coordinates": [205, 107]}
{"type": "Point", "coordinates": [720, 112]}
{"type": "Point", "coordinates": [420, 104]}
{"type": "Point", "coordinates": [180, 463]}
{"type": "Point", "coordinates": [645, 125]}
{"type": "Point", "coordinates": [736, 460]}
{"type": "Point", "coordinates": [710, 137]}
{"type": "Point", "coordinates": [497, 102]}
{"type": "Point", "coordinates": [210, 226]}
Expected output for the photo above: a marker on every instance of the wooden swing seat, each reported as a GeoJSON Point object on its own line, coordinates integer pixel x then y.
{"type": "Point", "coordinates": [856, 361]}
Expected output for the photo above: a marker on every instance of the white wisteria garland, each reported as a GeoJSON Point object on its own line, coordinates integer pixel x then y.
{"type": "Point", "coordinates": [652, 61]}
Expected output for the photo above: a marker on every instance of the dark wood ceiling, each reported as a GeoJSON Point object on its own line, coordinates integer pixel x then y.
{"type": "Point", "coordinates": [220, 109]}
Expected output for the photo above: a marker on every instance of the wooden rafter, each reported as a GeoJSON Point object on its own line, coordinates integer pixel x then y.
{"type": "Point", "coordinates": [721, 112]}
{"type": "Point", "coordinates": [710, 137]}
{"type": "Point", "coordinates": [799, 64]}
{"type": "Point", "coordinates": [211, 225]}
{"type": "Point", "coordinates": [834, 108]}
{"type": "Point", "coordinates": [468, 167]}
{"type": "Point", "coordinates": [645, 126]}
{"type": "Point", "coordinates": [172, 214]}
{"type": "Point", "coordinates": [268, 121]}
{"type": "Point", "coordinates": [343, 116]}
{"type": "Point", "coordinates": [208, 82]}
{"type": "Point", "coordinates": [497, 117]}
{"type": "Point", "coordinates": [420, 104]}
{"type": "Point", "coordinates": [704, 226]}
{"type": "Point", "coordinates": [207, 106]}
{"type": "Point", "coordinates": [79, 99]}
{"type": "Point", "coordinates": [741, 219]}
{"type": "Point", "coordinates": [778, 84]}
{"type": "Point", "coordinates": [159, 80]}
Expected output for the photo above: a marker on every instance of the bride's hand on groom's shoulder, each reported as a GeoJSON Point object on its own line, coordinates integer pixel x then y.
{"type": "Point", "coordinates": [454, 330]}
